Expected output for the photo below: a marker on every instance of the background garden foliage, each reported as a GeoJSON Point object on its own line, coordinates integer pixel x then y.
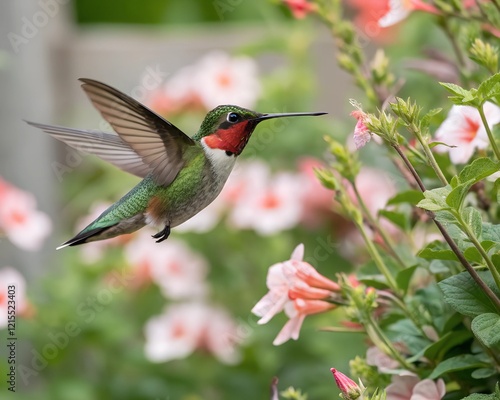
{"type": "Point", "coordinates": [383, 226]}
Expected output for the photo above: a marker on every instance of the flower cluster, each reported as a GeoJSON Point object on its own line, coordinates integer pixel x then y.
{"type": "Point", "coordinates": [215, 79]}
{"type": "Point", "coordinates": [20, 220]}
{"type": "Point", "coordinates": [298, 289]}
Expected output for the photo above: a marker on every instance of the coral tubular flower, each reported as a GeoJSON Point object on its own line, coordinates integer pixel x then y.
{"type": "Point", "coordinates": [303, 291]}
{"type": "Point", "coordinates": [297, 312]}
{"type": "Point", "coordinates": [300, 8]}
{"type": "Point", "coordinates": [350, 389]}
{"type": "Point", "coordinates": [401, 9]}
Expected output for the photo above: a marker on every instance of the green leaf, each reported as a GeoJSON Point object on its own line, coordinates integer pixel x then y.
{"type": "Point", "coordinates": [435, 199]}
{"type": "Point", "coordinates": [426, 119]}
{"type": "Point", "coordinates": [491, 232]}
{"type": "Point", "coordinates": [489, 88]}
{"type": "Point", "coordinates": [437, 350]}
{"type": "Point", "coordinates": [458, 91]}
{"type": "Point", "coordinates": [472, 255]}
{"type": "Point", "coordinates": [436, 143]}
{"type": "Point", "coordinates": [457, 195]}
{"type": "Point", "coordinates": [486, 327]}
{"type": "Point", "coordinates": [479, 169]}
{"type": "Point", "coordinates": [478, 396]}
{"type": "Point", "coordinates": [457, 363]}
{"type": "Point", "coordinates": [463, 294]}
{"type": "Point", "coordinates": [397, 218]}
{"type": "Point", "coordinates": [472, 218]}
{"type": "Point", "coordinates": [483, 373]}
{"type": "Point", "coordinates": [437, 250]}
{"type": "Point", "coordinates": [408, 196]}
{"type": "Point", "coordinates": [403, 277]}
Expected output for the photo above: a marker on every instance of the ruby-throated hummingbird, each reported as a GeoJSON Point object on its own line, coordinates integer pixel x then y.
{"type": "Point", "coordinates": [181, 174]}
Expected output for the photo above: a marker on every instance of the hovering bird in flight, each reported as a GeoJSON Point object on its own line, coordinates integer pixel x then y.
{"type": "Point", "coordinates": [181, 174]}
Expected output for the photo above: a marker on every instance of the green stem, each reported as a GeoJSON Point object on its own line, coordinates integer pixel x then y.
{"type": "Point", "coordinates": [405, 310]}
{"type": "Point", "coordinates": [488, 131]}
{"type": "Point", "coordinates": [428, 153]}
{"type": "Point", "coordinates": [394, 352]}
{"type": "Point", "coordinates": [375, 224]}
{"type": "Point", "coordinates": [479, 247]}
{"type": "Point", "coordinates": [355, 215]}
{"type": "Point", "coordinates": [377, 258]}
{"type": "Point", "coordinates": [472, 272]}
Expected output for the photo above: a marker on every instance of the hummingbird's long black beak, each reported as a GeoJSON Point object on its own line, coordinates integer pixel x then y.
{"type": "Point", "coordinates": [263, 117]}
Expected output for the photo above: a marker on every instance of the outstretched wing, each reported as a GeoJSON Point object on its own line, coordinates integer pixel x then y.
{"type": "Point", "coordinates": [107, 146]}
{"type": "Point", "coordinates": [159, 143]}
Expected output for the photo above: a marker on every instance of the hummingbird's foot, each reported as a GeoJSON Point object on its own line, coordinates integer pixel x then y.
{"type": "Point", "coordinates": [163, 234]}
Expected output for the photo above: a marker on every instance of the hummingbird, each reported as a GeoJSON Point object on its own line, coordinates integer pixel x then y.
{"type": "Point", "coordinates": [181, 175]}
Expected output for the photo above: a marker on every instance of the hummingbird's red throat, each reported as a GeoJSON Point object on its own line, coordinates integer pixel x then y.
{"type": "Point", "coordinates": [232, 139]}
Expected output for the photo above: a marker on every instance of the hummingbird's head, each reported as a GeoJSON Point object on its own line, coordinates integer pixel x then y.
{"type": "Point", "coordinates": [228, 127]}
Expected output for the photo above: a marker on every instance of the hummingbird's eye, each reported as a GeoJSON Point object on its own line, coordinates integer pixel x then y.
{"type": "Point", "coordinates": [233, 117]}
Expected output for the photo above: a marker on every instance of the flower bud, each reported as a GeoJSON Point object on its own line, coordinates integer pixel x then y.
{"type": "Point", "coordinates": [350, 389]}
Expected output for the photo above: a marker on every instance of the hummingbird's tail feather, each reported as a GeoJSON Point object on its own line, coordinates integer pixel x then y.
{"type": "Point", "coordinates": [83, 237]}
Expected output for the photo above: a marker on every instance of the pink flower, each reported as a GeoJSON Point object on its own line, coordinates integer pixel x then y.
{"type": "Point", "coordinates": [185, 328]}
{"type": "Point", "coordinates": [317, 201]}
{"type": "Point", "coordinates": [297, 311]}
{"type": "Point", "coordinates": [362, 134]}
{"type": "Point", "coordinates": [20, 221]}
{"type": "Point", "coordinates": [375, 188]}
{"type": "Point", "coordinates": [410, 387]}
{"type": "Point", "coordinates": [295, 287]}
{"type": "Point", "coordinates": [221, 79]}
{"type": "Point", "coordinates": [377, 358]}
{"type": "Point", "coordinates": [178, 271]}
{"type": "Point", "coordinates": [270, 208]}
{"type": "Point", "coordinates": [12, 288]}
{"type": "Point", "coordinates": [350, 389]}
{"type": "Point", "coordinates": [278, 284]}
{"type": "Point", "coordinates": [215, 79]}
{"type": "Point", "coordinates": [300, 8]}
{"type": "Point", "coordinates": [464, 129]}
{"type": "Point", "coordinates": [401, 9]}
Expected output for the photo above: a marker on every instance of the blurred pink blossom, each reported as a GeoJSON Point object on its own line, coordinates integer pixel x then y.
{"type": "Point", "coordinates": [20, 221]}
{"type": "Point", "coordinates": [11, 277]}
{"type": "Point", "coordinates": [464, 129]}
{"type": "Point", "coordinates": [222, 79]}
{"type": "Point", "coordinates": [270, 208]}
{"type": "Point", "coordinates": [377, 358]}
{"type": "Point", "coordinates": [410, 387]}
{"type": "Point", "coordinates": [317, 201]}
{"type": "Point", "coordinates": [295, 287]}
{"type": "Point", "coordinates": [375, 188]}
{"type": "Point", "coordinates": [215, 79]}
{"type": "Point", "coordinates": [300, 8]}
{"type": "Point", "coordinates": [176, 269]}
{"type": "Point", "coordinates": [185, 328]}
{"type": "Point", "coordinates": [401, 9]}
